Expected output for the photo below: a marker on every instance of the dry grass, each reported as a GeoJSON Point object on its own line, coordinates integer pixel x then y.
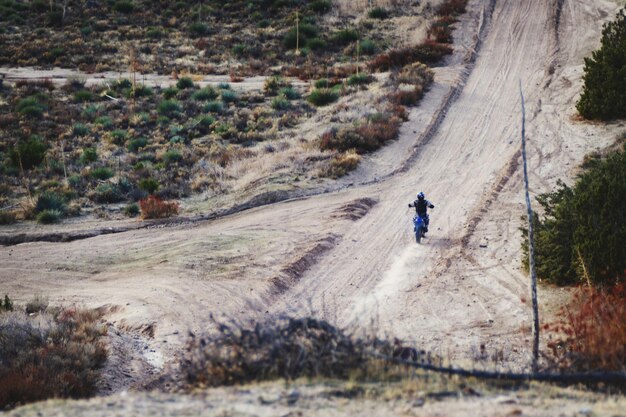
{"type": "Point", "coordinates": [153, 207]}
{"type": "Point", "coordinates": [49, 354]}
{"type": "Point", "coordinates": [287, 348]}
{"type": "Point", "coordinates": [593, 329]}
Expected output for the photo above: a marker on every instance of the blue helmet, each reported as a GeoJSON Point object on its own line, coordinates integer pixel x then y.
{"type": "Point", "coordinates": [420, 196]}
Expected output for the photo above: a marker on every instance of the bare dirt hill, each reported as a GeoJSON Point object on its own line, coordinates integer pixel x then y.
{"type": "Point", "coordinates": [349, 255]}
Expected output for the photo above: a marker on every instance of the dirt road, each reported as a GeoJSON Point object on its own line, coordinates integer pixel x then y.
{"type": "Point", "coordinates": [349, 256]}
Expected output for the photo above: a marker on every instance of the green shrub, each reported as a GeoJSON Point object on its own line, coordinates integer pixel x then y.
{"type": "Point", "coordinates": [229, 96]}
{"type": "Point", "coordinates": [359, 79]}
{"type": "Point", "coordinates": [101, 173]}
{"type": "Point", "coordinates": [82, 96]}
{"type": "Point", "coordinates": [31, 107]}
{"type": "Point", "coordinates": [49, 216]}
{"type": "Point", "coordinates": [28, 154]}
{"type": "Point", "coordinates": [170, 92]}
{"type": "Point", "coordinates": [124, 6]}
{"type": "Point", "coordinates": [197, 29]}
{"type": "Point", "coordinates": [107, 193]}
{"type": "Point", "coordinates": [88, 155]}
{"type": "Point", "coordinates": [345, 36]}
{"type": "Point", "coordinates": [80, 129]}
{"type": "Point", "coordinates": [184, 83]}
{"type": "Point", "coordinates": [367, 47]}
{"type": "Point", "coordinates": [136, 144]}
{"type": "Point", "coordinates": [169, 108]}
{"type": "Point", "coordinates": [49, 200]}
{"type": "Point", "coordinates": [321, 6]}
{"type": "Point", "coordinates": [154, 33]}
{"type": "Point", "coordinates": [213, 107]}
{"type": "Point", "coordinates": [290, 93]}
{"type": "Point", "coordinates": [280, 103]}
{"type": "Point", "coordinates": [140, 90]}
{"type": "Point", "coordinates": [604, 90]}
{"type": "Point", "coordinates": [205, 122]}
{"type": "Point", "coordinates": [172, 156]}
{"type": "Point", "coordinates": [239, 49]}
{"type": "Point", "coordinates": [131, 210]}
{"type": "Point", "coordinates": [224, 86]}
{"type": "Point", "coordinates": [316, 44]}
{"type": "Point", "coordinates": [322, 83]}
{"type": "Point", "coordinates": [118, 136]}
{"type": "Point", "coordinates": [322, 97]}
{"type": "Point", "coordinates": [149, 185]}
{"type": "Point", "coordinates": [104, 121]}
{"type": "Point", "coordinates": [205, 94]}
{"type": "Point", "coordinates": [583, 231]}
{"type": "Point", "coordinates": [305, 32]}
{"type": "Point", "coordinates": [378, 13]}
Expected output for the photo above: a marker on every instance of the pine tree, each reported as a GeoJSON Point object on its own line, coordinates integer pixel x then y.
{"type": "Point", "coordinates": [604, 90]}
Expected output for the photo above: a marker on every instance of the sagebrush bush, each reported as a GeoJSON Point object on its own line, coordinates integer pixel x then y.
{"type": "Point", "coordinates": [322, 97]}
{"type": "Point", "coordinates": [213, 107]}
{"type": "Point", "coordinates": [136, 144]}
{"type": "Point", "coordinates": [31, 107]}
{"type": "Point", "coordinates": [88, 155]}
{"type": "Point", "coordinates": [49, 200]}
{"type": "Point", "coordinates": [229, 96]}
{"type": "Point", "coordinates": [345, 36]}
{"type": "Point", "coordinates": [378, 13]}
{"type": "Point", "coordinates": [82, 96]}
{"type": "Point", "coordinates": [80, 129]}
{"type": "Point", "coordinates": [205, 94]}
{"type": "Point", "coordinates": [184, 83]}
{"type": "Point", "coordinates": [366, 137]}
{"type": "Point", "coordinates": [131, 210]}
{"type": "Point", "coordinates": [101, 173]}
{"type": "Point", "coordinates": [280, 103]}
{"type": "Point", "coordinates": [124, 6]}
{"type": "Point", "coordinates": [28, 154]}
{"type": "Point", "coordinates": [197, 29]}
{"type": "Point", "coordinates": [49, 355]}
{"type": "Point", "coordinates": [367, 47]}
{"type": "Point", "coordinates": [149, 185]}
{"type": "Point", "coordinates": [169, 108]}
{"type": "Point", "coordinates": [359, 79]}
{"type": "Point", "coordinates": [49, 216]}
{"type": "Point", "coordinates": [604, 90]}
{"type": "Point", "coordinates": [107, 193]}
{"type": "Point", "coordinates": [287, 348]}
{"type": "Point", "coordinates": [152, 207]}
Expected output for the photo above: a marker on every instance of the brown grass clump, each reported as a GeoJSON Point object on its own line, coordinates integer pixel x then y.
{"type": "Point", "coordinates": [593, 329]}
{"type": "Point", "coordinates": [343, 163]}
{"type": "Point", "coordinates": [366, 137]}
{"type": "Point", "coordinates": [48, 355]}
{"type": "Point", "coordinates": [285, 348]}
{"type": "Point", "coordinates": [153, 207]}
{"type": "Point", "coordinates": [429, 52]}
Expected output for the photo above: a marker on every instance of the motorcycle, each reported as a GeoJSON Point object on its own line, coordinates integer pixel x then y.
{"type": "Point", "coordinates": [419, 226]}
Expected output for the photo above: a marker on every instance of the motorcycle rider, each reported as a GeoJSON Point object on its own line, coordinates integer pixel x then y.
{"type": "Point", "coordinates": [421, 207]}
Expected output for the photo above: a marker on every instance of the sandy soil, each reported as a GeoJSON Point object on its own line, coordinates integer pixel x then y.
{"type": "Point", "coordinates": [349, 255]}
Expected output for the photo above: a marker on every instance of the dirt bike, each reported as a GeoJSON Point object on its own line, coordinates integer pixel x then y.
{"type": "Point", "coordinates": [419, 227]}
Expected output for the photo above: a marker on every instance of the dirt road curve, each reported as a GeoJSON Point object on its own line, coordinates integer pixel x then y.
{"type": "Point", "coordinates": [349, 256]}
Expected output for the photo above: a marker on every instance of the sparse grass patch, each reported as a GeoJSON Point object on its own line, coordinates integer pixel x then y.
{"type": "Point", "coordinates": [82, 96]}
{"type": "Point", "coordinates": [149, 185]}
{"type": "Point", "coordinates": [360, 79]}
{"type": "Point", "coordinates": [106, 193]}
{"type": "Point", "coordinates": [49, 216]}
{"type": "Point", "coordinates": [136, 144]}
{"type": "Point", "coordinates": [49, 200]}
{"type": "Point", "coordinates": [28, 154]}
{"type": "Point", "coordinates": [80, 129]}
